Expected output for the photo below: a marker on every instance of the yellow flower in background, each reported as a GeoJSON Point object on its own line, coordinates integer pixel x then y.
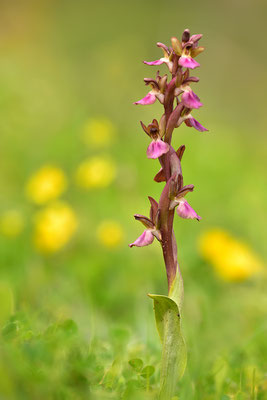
{"type": "Point", "coordinates": [110, 233]}
{"type": "Point", "coordinates": [232, 259]}
{"type": "Point", "coordinates": [95, 172]}
{"type": "Point", "coordinates": [54, 227]}
{"type": "Point", "coordinates": [46, 184]}
{"type": "Point", "coordinates": [98, 132]}
{"type": "Point", "coordinates": [11, 223]}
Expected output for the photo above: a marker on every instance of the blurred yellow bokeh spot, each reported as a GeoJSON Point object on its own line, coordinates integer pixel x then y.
{"type": "Point", "coordinates": [232, 259]}
{"type": "Point", "coordinates": [96, 172]}
{"type": "Point", "coordinates": [98, 132]}
{"type": "Point", "coordinates": [54, 227]}
{"type": "Point", "coordinates": [11, 223]}
{"type": "Point", "coordinates": [48, 183]}
{"type": "Point", "coordinates": [110, 233]}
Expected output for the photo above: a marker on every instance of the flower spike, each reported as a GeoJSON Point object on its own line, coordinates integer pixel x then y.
{"type": "Point", "coordinates": [179, 102]}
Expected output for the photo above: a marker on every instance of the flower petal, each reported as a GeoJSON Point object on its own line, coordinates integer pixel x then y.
{"type": "Point", "coordinates": [148, 99]}
{"type": "Point", "coordinates": [186, 189]}
{"type": "Point", "coordinates": [192, 122]}
{"type": "Point", "coordinates": [191, 100]}
{"type": "Point", "coordinates": [144, 240]}
{"type": "Point", "coordinates": [184, 210]}
{"type": "Point", "coordinates": [145, 221]}
{"type": "Point", "coordinates": [157, 148]}
{"type": "Point", "coordinates": [157, 62]}
{"type": "Point", "coordinates": [188, 62]}
{"type": "Point", "coordinates": [195, 38]}
{"type": "Point", "coordinates": [160, 177]}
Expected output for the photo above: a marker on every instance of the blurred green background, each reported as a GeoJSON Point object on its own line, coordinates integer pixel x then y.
{"type": "Point", "coordinates": [73, 308]}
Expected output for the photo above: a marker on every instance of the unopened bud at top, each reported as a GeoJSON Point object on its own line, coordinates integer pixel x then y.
{"type": "Point", "coordinates": [186, 35]}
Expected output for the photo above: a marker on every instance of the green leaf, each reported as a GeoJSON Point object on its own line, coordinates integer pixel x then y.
{"type": "Point", "coordinates": [136, 363]}
{"type": "Point", "coordinates": [147, 371]}
{"type": "Point", "coordinates": [174, 354]}
{"type": "Point", "coordinates": [111, 377]}
{"type": "Point", "coordinates": [176, 292]}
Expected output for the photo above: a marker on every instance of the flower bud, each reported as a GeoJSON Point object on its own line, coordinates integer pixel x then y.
{"type": "Point", "coordinates": [186, 35]}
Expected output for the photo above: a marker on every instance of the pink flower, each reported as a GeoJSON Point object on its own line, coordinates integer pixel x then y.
{"type": "Point", "coordinates": [190, 99]}
{"type": "Point", "coordinates": [187, 61]}
{"type": "Point", "coordinates": [184, 210]}
{"type": "Point", "coordinates": [151, 223]}
{"type": "Point", "coordinates": [179, 191]}
{"type": "Point", "coordinates": [190, 50]}
{"type": "Point", "coordinates": [158, 86]}
{"type": "Point", "coordinates": [157, 148]}
{"type": "Point", "coordinates": [164, 60]}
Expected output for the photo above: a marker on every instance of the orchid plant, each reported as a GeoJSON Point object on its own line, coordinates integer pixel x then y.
{"type": "Point", "coordinates": [178, 100]}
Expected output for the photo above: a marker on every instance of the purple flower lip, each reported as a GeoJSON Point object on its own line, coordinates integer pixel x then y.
{"type": "Point", "coordinates": [150, 98]}
{"type": "Point", "coordinates": [188, 62]}
{"type": "Point", "coordinates": [191, 100]}
{"type": "Point", "coordinates": [145, 239]}
{"type": "Point", "coordinates": [193, 123]}
{"type": "Point", "coordinates": [157, 148]}
{"type": "Point", "coordinates": [156, 62]}
{"type": "Point", "coordinates": [184, 210]}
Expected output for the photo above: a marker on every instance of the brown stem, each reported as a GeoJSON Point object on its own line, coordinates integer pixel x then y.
{"type": "Point", "coordinates": [168, 250]}
{"type": "Point", "coordinates": [166, 215]}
